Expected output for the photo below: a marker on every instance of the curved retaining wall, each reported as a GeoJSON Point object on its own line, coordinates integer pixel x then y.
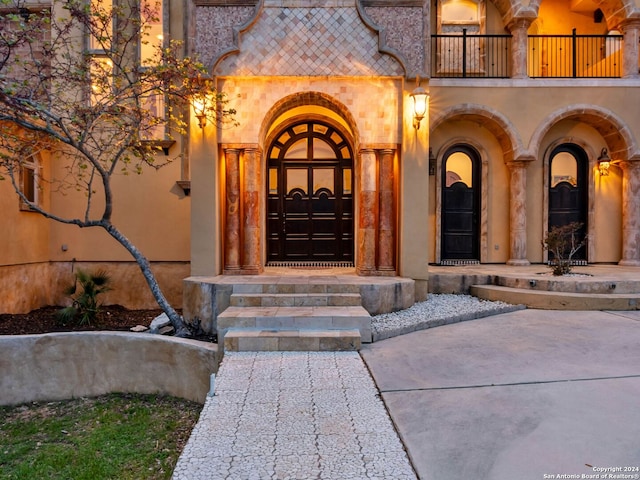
{"type": "Point", "coordinates": [58, 366]}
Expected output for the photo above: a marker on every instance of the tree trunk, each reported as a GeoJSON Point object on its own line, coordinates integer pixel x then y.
{"type": "Point", "coordinates": [181, 329]}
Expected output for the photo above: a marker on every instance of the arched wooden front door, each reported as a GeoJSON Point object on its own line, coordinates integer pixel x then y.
{"type": "Point", "coordinates": [568, 192]}
{"type": "Point", "coordinates": [460, 211]}
{"type": "Point", "coordinates": [310, 195]}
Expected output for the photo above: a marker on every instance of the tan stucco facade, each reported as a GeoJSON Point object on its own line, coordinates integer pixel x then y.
{"type": "Point", "coordinates": [352, 65]}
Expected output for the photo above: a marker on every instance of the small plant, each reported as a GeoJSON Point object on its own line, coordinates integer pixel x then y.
{"type": "Point", "coordinates": [85, 306]}
{"type": "Point", "coordinates": [563, 242]}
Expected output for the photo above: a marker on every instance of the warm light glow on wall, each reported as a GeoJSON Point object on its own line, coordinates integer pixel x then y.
{"type": "Point", "coordinates": [604, 162]}
{"type": "Point", "coordinates": [201, 106]}
{"type": "Point", "coordinates": [420, 103]}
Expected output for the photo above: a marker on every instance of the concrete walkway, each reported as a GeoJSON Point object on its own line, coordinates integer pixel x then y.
{"type": "Point", "coordinates": [293, 415]}
{"type": "Point", "coordinates": [524, 395]}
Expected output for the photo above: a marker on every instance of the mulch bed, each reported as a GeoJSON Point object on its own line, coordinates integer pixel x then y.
{"type": "Point", "coordinates": [43, 320]}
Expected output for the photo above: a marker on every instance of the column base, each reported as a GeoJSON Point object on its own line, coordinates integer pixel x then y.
{"type": "Point", "coordinates": [629, 263]}
{"type": "Point", "coordinates": [517, 262]}
{"type": "Point", "coordinates": [232, 271]}
{"type": "Point", "coordinates": [251, 270]}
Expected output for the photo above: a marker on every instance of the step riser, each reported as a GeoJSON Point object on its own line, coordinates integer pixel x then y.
{"type": "Point", "coordinates": [295, 300]}
{"type": "Point", "coordinates": [291, 341]}
{"type": "Point", "coordinates": [585, 285]}
{"type": "Point", "coordinates": [289, 288]}
{"type": "Point", "coordinates": [339, 318]}
{"type": "Point", "coordinates": [544, 300]}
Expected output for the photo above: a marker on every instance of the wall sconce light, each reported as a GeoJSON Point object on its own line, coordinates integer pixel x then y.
{"type": "Point", "coordinates": [604, 162]}
{"type": "Point", "coordinates": [420, 98]}
{"type": "Point", "coordinates": [200, 107]}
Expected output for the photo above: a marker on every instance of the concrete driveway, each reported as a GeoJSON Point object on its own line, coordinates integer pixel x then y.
{"type": "Point", "coordinates": [517, 396]}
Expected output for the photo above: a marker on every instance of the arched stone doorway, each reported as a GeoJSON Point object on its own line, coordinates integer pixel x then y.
{"type": "Point", "coordinates": [461, 198]}
{"type": "Point", "coordinates": [569, 191]}
{"type": "Point", "coordinates": [310, 194]}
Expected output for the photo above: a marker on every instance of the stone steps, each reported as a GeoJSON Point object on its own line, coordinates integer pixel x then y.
{"type": "Point", "coordinates": [554, 300]}
{"type": "Point", "coordinates": [293, 328]}
{"type": "Point", "coordinates": [294, 340]}
{"type": "Point", "coordinates": [296, 318]}
{"type": "Point", "coordinates": [206, 299]}
{"type": "Point", "coordinates": [295, 299]}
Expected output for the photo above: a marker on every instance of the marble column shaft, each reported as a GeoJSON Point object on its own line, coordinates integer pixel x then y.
{"type": "Point", "coordinates": [251, 211]}
{"type": "Point", "coordinates": [232, 211]}
{"type": "Point", "coordinates": [520, 38]}
{"type": "Point", "coordinates": [518, 213]}
{"type": "Point", "coordinates": [631, 31]}
{"type": "Point", "coordinates": [630, 213]}
{"type": "Point", "coordinates": [386, 256]}
{"type": "Point", "coordinates": [367, 213]}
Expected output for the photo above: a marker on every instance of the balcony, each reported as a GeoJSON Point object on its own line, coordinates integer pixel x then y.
{"type": "Point", "coordinates": [548, 56]}
{"type": "Point", "coordinates": [574, 56]}
{"type": "Point", "coordinates": [470, 56]}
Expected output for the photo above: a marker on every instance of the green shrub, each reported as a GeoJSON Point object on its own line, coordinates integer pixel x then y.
{"type": "Point", "coordinates": [85, 305]}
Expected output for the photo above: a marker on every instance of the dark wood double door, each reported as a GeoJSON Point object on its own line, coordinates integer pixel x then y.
{"type": "Point", "coordinates": [310, 195]}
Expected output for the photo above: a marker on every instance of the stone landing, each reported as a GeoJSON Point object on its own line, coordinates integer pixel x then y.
{"type": "Point", "coordinates": [589, 287]}
{"type": "Point", "coordinates": [296, 312]}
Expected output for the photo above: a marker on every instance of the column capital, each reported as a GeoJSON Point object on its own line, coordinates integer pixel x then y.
{"type": "Point", "coordinates": [237, 146]}
{"type": "Point", "coordinates": [629, 24]}
{"type": "Point", "coordinates": [367, 151]}
{"type": "Point", "coordinates": [631, 165]}
{"type": "Point", "coordinates": [520, 23]}
{"type": "Point", "coordinates": [254, 149]}
{"type": "Point", "coordinates": [522, 161]}
{"type": "Point", "coordinates": [387, 151]}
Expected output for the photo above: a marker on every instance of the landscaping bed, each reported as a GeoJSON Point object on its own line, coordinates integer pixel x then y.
{"type": "Point", "coordinates": [43, 320]}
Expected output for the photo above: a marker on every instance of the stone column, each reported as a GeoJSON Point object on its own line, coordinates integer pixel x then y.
{"type": "Point", "coordinates": [518, 28]}
{"type": "Point", "coordinates": [518, 213]}
{"type": "Point", "coordinates": [630, 213]}
{"type": "Point", "coordinates": [386, 256]}
{"type": "Point", "coordinates": [232, 212]}
{"type": "Point", "coordinates": [251, 233]}
{"type": "Point", "coordinates": [631, 31]}
{"type": "Point", "coordinates": [367, 213]}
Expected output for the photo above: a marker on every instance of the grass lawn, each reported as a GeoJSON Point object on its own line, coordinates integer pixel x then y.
{"type": "Point", "coordinates": [119, 436]}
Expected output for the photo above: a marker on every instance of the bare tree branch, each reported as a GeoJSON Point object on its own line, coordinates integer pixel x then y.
{"type": "Point", "coordinates": [88, 109]}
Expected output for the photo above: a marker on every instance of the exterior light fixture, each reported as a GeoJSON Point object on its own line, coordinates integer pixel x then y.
{"type": "Point", "coordinates": [420, 98]}
{"type": "Point", "coordinates": [604, 162]}
{"type": "Point", "coordinates": [200, 106]}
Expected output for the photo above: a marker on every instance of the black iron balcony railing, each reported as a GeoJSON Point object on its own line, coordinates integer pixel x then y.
{"type": "Point", "coordinates": [575, 56]}
{"type": "Point", "coordinates": [470, 56]}
{"type": "Point", "coordinates": [548, 56]}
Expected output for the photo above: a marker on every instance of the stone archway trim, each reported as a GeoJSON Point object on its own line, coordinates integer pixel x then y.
{"type": "Point", "coordinates": [499, 125]}
{"type": "Point", "coordinates": [616, 133]}
{"type": "Point", "coordinates": [309, 98]}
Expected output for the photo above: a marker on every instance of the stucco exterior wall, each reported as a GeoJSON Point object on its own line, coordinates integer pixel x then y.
{"type": "Point", "coordinates": [25, 287]}
{"type": "Point", "coordinates": [150, 209]}
{"type": "Point", "coordinates": [533, 111]}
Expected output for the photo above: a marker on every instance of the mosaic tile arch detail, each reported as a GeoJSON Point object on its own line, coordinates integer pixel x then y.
{"type": "Point", "coordinates": [218, 28]}
{"type": "Point", "coordinates": [309, 41]}
{"type": "Point", "coordinates": [400, 28]}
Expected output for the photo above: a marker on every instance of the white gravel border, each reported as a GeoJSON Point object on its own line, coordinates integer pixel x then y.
{"type": "Point", "coordinates": [437, 310]}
